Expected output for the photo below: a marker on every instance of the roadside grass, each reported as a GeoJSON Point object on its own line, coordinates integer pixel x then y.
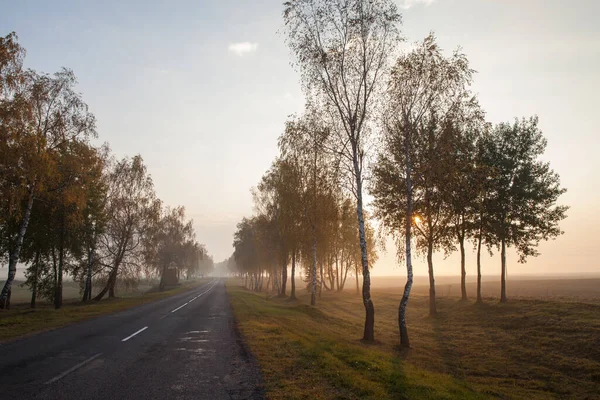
{"type": "Point", "coordinates": [523, 349]}
{"type": "Point", "coordinates": [21, 320]}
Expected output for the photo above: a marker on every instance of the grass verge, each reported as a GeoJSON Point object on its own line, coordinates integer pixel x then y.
{"type": "Point", "coordinates": [21, 320]}
{"type": "Point", "coordinates": [523, 349]}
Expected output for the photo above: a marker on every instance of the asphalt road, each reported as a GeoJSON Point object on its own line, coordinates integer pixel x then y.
{"type": "Point", "coordinates": [181, 347]}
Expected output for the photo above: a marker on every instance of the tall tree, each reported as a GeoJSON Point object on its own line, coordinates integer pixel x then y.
{"type": "Point", "coordinates": [38, 116]}
{"type": "Point", "coordinates": [463, 178]}
{"type": "Point", "coordinates": [424, 88]}
{"type": "Point", "coordinates": [522, 204]}
{"type": "Point", "coordinates": [132, 211]}
{"type": "Point", "coordinates": [342, 50]}
{"type": "Point", "coordinates": [302, 145]}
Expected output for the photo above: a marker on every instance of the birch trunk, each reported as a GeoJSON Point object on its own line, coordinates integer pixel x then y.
{"type": "Point", "coordinates": [13, 257]}
{"type": "Point", "coordinates": [404, 341]}
{"type": "Point", "coordinates": [369, 332]}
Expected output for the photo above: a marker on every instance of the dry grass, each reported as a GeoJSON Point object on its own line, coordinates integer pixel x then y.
{"type": "Point", "coordinates": [21, 320]}
{"type": "Point", "coordinates": [523, 349]}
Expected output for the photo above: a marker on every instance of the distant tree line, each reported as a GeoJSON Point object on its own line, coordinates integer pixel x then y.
{"type": "Point", "coordinates": [406, 127]}
{"type": "Point", "coordinates": [69, 208]}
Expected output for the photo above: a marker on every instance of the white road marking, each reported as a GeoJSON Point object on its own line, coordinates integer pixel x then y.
{"type": "Point", "coordinates": [67, 372]}
{"type": "Point", "coordinates": [180, 307]}
{"type": "Point", "coordinates": [130, 336]}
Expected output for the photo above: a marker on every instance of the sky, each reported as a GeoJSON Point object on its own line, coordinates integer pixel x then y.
{"type": "Point", "coordinates": [201, 89]}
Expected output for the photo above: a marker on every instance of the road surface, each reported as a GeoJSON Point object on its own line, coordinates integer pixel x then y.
{"type": "Point", "coordinates": [181, 347]}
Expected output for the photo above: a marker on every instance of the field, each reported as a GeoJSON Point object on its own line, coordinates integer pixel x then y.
{"type": "Point", "coordinates": [528, 348]}
{"type": "Point", "coordinates": [21, 320]}
{"type": "Point", "coordinates": [71, 291]}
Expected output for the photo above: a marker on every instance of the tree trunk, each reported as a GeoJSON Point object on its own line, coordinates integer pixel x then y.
{"type": "Point", "coordinates": [293, 294]}
{"type": "Point", "coordinates": [111, 278]}
{"type": "Point", "coordinates": [111, 285]}
{"type": "Point", "coordinates": [323, 280]}
{"type": "Point", "coordinates": [61, 263]}
{"type": "Point", "coordinates": [432, 308]}
{"type": "Point", "coordinates": [503, 277]}
{"type": "Point", "coordinates": [404, 341]}
{"type": "Point", "coordinates": [313, 293]}
{"type": "Point", "coordinates": [274, 281]}
{"type": "Point", "coordinates": [13, 257]}
{"type": "Point", "coordinates": [36, 271]}
{"type": "Point", "coordinates": [369, 331]}
{"type": "Point", "coordinates": [479, 299]}
{"type": "Point", "coordinates": [343, 283]}
{"type": "Point", "coordinates": [337, 272]}
{"type": "Point", "coordinates": [356, 276]}
{"type": "Point", "coordinates": [463, 272]}
{"type": "Point", "coordinates": [284, 278]}
{"type": "Point", "coordinates": [87, 294]}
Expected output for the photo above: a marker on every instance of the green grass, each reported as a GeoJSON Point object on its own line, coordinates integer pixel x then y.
{"type": "Point", "coordinates": [523, 349]}
{"type": "Point", "coordinates": [21, 320]}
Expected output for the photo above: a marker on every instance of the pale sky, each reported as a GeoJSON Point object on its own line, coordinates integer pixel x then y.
{"type": "Point", "coordinates": [201, 89]}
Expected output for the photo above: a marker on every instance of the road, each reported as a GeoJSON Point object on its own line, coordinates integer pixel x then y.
{"type": "Point", "coordinates": [181, 347]}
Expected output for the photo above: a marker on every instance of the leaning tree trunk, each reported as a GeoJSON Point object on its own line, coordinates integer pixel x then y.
{"type": "Point", "coordinates": [432, 308]}
{"type": "Point", "coordinates": [404, 341]}
{"type": "Point", "coordinates": [503, 277]}
{"type": "Point", "coordinates": [111, 285]}
{"type": "Point", "coordinates": [111, 278]}
{"type": "Point", "coordinates": [479, 299]}
{"type": "Point", "coordinates": [293, 294]}
{"type": "Point", "coordinates": [13, 257]}
{"type": "Point", "coordinates": [369, 331]}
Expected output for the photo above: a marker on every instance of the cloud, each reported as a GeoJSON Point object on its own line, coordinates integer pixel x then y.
{"type": "Point", "coordinates": [242, 48]}
{"type": "Point", "coordinates": [406, 4]}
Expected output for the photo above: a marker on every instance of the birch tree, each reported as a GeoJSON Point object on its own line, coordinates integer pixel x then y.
{"type": "Point", "coordinates": [302, 144]}
{"type": "Point", "coordinates": [132, 210]}
{"type": "Point", "coordinates": [423, 89]}
{"type": "Point", "coordinates": [342, 49]}
{"type": "Point", "coordinates": [39, 114]}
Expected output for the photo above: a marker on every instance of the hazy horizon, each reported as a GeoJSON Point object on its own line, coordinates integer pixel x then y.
{"type": "Point", "coordinates": [201, 89]}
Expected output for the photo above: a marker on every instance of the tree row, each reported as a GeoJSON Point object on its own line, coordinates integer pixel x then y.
{"type": "Point", "coordinates": [69, 208]}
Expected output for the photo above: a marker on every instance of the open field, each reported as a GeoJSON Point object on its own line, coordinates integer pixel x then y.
{"type": "Point", "coordinates": [21, 320]}
{"type": "Point", "coordinates": [534, 349]}
{"type": "Point", "coordinates": [71, 291]}
{"type": "Point", "coordinates": [584, 290]}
